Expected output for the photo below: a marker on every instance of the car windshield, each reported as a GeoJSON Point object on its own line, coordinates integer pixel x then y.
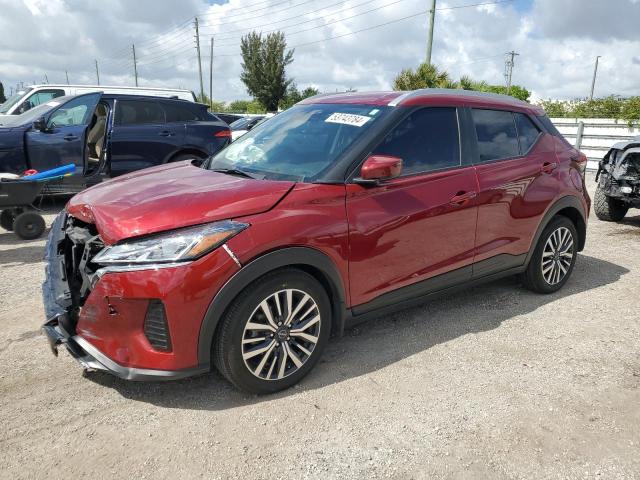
{"type": "Point", "coordinates": [12, 100]}
{"type": "Point", "coordinates": [299, 143]}
{"type": "Point", "coordinates": [31, 115]}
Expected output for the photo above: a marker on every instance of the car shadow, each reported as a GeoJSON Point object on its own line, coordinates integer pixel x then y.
{"type": "Point", "coordinates": [367, 348]}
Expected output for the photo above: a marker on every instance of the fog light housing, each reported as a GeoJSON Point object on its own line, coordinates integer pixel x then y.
{"type": "Point", "coordinates": [155, 326]}
{"type": "Point", "coordinates": [626, 189]}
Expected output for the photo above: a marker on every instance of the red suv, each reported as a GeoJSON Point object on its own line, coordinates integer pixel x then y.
{"type": "Point", "coordinates": [338, 208]}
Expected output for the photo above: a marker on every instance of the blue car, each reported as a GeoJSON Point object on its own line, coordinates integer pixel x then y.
{"type": "Point", "coordinates": [106, 135]}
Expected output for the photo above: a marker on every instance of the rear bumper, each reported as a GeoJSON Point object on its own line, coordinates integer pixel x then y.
{"type": "Point", "coordinates": [93, 359]}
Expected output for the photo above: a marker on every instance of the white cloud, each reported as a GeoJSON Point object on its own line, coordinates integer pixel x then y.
{"type": "Point", "coordinates": [557, 41]}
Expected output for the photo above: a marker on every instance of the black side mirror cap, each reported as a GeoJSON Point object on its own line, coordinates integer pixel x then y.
{"type": "Point", "coordinates": [40, 124]}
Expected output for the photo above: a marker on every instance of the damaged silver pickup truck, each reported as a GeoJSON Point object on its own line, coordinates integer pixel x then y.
{"type": "Point", "coordinates": [618, 180]}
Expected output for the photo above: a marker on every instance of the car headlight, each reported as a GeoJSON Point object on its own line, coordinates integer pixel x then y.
{"type": "Point", "coordinates": [168, 247]}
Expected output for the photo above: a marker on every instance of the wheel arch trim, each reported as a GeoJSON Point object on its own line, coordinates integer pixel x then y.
{"type": "Point", "coordinates": [308, 259]}
{"type": "Point", "coordinates": [564, 205]}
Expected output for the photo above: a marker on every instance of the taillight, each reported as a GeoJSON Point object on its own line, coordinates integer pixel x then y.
{"type": "Point", "coordinates": [223, 134]}
{"type": "Point", "coordinates": [581, 162]}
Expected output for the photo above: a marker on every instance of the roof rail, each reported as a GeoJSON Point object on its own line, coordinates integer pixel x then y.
{"type": "Point", "coordinates": [448, 91]}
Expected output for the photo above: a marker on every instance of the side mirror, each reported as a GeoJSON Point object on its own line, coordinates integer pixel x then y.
{"type": "Point", "coordinates": [377, 168]}
{"type": "Point", "coordinates": [40, 124]}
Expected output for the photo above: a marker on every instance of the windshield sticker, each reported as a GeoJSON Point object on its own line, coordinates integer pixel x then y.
{"type": "Point", "coordinates": [348, 119]}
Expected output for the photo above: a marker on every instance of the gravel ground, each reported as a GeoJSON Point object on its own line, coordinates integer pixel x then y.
{"type": "Point", "coordinates": [495, 382]}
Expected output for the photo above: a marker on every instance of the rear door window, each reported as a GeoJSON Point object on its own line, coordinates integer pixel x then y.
{"type": "Point", "coordinates": [528, 133]}
{"type": "Point", "coordinates": [426, 140]}
{"type": "Point", "coordinates": [177, 112]}
{"type": "Point", "coordinates": [497, 135]}
{"type": "Point", "coordinates": [138, 112]}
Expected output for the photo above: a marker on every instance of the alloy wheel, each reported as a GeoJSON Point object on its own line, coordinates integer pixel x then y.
{"type": "Point", "coordinates": [557, 255]}
{"type": "Point", "coordinates": [281, 334]}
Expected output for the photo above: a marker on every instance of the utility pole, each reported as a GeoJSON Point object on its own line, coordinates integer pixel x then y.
{"type": "Point", "coordinates": [211, 76]}
{"type": "Point", "coordinates": [97, 72]}
{"type": "Point", "coordinates": [67, 75]}
{"type": "Point", "coordinates": [199, 58]}
{"type": "Point", "coordinates": [508, 68]}
{"type": "Point", "coordinates": [593, 82]}
{"type": "Point", "coordinates": [432, 19]}
{"type": "Point", "coordinates": [46, 79]}
{"type": "Point", "coordinates": [135, 65]}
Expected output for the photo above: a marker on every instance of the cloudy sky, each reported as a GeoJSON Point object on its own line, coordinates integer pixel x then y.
{"type": "Point", "coordinates": [338, 44]}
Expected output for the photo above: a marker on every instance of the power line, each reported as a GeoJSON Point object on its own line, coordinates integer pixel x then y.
{"type": "Point", "coordinates": [344, 34]}
{"type": "Point", "coordinates": [475, 5]}
{"type": "Point", "coordinates": [270, 13]}
{"type": "Point", "coordinates": [226, 36]}
{"type": "Point", "coordinates": [186, 24]}
{"type": "Point", "coordinates": [332, 22]}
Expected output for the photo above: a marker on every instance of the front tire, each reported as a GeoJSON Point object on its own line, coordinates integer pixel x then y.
{"type": "Point", "coordinates": [608, 209]}
{"type": "Point", "coordinates": [553, 258]}
{"type": "Point", "coordinates": [274, 332]}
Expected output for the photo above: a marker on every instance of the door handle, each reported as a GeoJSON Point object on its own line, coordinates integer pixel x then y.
{"type": "Point", "coordinates": [69, 137]}
{"type": "Point", "coordinates": [548, 167]}
{"type": "Point", "coordinates": [461, 198]}
{"type": "Point", "coordinates": [165, 133]}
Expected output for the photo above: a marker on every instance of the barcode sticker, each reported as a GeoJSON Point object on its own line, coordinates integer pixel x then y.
{"type": "Point", "coordinates": [348, 119]}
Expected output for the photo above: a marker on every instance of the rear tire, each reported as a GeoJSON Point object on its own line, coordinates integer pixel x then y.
{"type": "Point", "coordinates": [608, 209]}
{"type": "Point", "coordinates": [260, 351]}
{"type": "Point", "coordinates": [29, 225]}
{"type": "Point", "coordinates": [6, 220]}
{"type": "Point", "coordinates": [553, 258]}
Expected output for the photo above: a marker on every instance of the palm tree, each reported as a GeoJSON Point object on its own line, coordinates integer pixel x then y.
{"type": "Point", "coordinates": [425, 76]}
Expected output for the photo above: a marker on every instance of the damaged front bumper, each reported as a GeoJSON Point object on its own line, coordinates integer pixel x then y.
{"type": "Point", "coordinates": [93, 359]}
{"type": "Point", "coordinates": [618, 173]}
{"type": "Point", "coordinates": [63, 313]}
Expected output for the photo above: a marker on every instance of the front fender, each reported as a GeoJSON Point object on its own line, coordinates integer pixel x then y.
{"type": "Point", "coordinates": [285, 257]}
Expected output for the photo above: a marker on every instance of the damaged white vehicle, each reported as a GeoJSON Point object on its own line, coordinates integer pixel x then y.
{"type": "Point", "coordinates": [618, 180]}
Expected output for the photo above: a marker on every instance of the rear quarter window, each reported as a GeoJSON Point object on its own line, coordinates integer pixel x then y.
{"type": "Point", "coordinates": [177, 112]}
{"type": "Point", "coordinates": [528, 133]}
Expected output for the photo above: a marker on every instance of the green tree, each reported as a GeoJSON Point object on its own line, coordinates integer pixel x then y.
{"type": "Point", "coordinates": [616, 107]}
{"type": "Point", "coordinates": [630, 110]}
{"type": "Point", "coordinates": [293, 95]}
{"type": "Point", "coordinates": [246, 106]}
{"type": "Point", "coordinates": [429, 76]}
{"type": "Point", "coordinates": [213, 105]}
{"type": "Point", "coordinates": [555, 108]}
{"type": "Point", "coordinates": [2, 97]}
{"type": "Point", "coordinates": [516, 91]}
{"type": "Point", "coordinates": [425, 76]}
{"type": "Point", "coordinates": [264, 62]}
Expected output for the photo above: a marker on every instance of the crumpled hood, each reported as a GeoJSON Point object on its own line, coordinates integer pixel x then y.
{"type": "Point", "coordinates": [171, 196]}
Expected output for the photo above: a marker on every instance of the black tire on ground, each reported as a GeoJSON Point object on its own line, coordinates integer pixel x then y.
{"type": "Point", "coordinates": [231, 337]}
{"type": "Point", "coordinates": [6, 220]}
{"type": "Point", "coordinates": [29, 225]}
{"type": "Point", "coordinates": [607, 208]}
{"type": "Point", "coordinates": [533, 278]}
